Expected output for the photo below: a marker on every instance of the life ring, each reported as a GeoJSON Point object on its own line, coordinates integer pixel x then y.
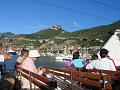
{"type": "Point", "coordinates": [7, 57]}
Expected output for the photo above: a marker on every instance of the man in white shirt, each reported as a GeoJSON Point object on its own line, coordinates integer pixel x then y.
{"type": "Point", "coordinates": [105, 63]}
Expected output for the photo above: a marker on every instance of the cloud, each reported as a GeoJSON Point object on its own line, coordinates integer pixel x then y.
{"type": "Point", "coordinates": [75, 23]}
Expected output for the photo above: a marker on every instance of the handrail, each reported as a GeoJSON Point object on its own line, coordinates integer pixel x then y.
{"type": "Point", "coordinates": [38, 80]}
{"type": "Point", "coordinates": [58, 69]}
{"type": "Point", "coordinates": [83, 77]}
{"type": "Point", "coordinates": [70, 75]}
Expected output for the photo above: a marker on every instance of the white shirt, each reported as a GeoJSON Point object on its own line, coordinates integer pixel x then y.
{"type": "Point", "coordinates": [103, 64]}
{"type": "Point", "coordinates": [20, 60]}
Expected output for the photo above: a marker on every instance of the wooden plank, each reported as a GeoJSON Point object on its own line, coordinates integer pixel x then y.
{"type": "Point", "coordinates": [58, 69]}
{"type": "Point", "coordinates": [87, 75]}
{"type": "Point", "coordinates": [39, 77]}
{"type": "Point", "coordinates": [88, 81]}
{"type": "Point", "coordinates": [61, 74]}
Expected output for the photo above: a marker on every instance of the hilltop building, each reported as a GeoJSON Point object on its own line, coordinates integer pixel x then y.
{"type": "Point", "coordinates": [56, 27]}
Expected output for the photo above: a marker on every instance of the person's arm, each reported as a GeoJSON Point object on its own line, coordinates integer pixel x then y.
{"type": "Point", "coordinates": [41, 70]}
{"type": "Point", "coordinates": [6, 56]}
{"type": "Point", "coordinates": [90, 65]}
{"type": "Point", "coordinates": [112, 66]}
{"type": "Point", "coordinates": [16, 64]}
{"type": "Point", "coordinates": [18, 61]}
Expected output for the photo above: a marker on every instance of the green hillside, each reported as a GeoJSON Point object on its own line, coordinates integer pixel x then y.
{"type": "Point", "coordinates": [44, 34]}
{"type": "Point", "coordinates": [86, 37]}
{"type": "Point", "coordinates": [100, 32]}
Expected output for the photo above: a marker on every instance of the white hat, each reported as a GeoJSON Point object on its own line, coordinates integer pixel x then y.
{"type": "Point", "coordinates": [34, 53]}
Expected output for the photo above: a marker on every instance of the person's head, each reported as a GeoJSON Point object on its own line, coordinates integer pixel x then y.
{"type": "Point", "coordinates": [76, 55]}
{"type": "Point", "coordinates": [94, 57]}
{"type": "Point", "coordinates": [34, 54]}
{"type": "Point", "coordinates": [103, 53]}
{"type": "Point", "coordinates": [24, 53]}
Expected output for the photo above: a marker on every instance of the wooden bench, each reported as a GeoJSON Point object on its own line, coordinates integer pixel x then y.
{"type": "Point", "coordinates": [115, 75]}
{"type": "Point", "coordinates": [92, 79]}
{"type": "Point", "coordinates": [74, 79]}
{"type": "Point", "coordinates": [40, 81]}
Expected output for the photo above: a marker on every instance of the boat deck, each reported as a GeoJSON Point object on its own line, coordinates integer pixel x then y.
{"type": "Point", "coordinates": [66, 79]}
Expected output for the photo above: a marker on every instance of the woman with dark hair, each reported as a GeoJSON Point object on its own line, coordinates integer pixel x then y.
{"type": "Point", "coordinates": [76, 55]}
{"type": "Point", "coordinates": [77, 62]}
{"type": "Point", "coordinates": [94, 57]}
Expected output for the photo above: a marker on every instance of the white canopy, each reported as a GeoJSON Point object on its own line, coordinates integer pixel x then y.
{"type": "Point", "coordinates": [113, 46]}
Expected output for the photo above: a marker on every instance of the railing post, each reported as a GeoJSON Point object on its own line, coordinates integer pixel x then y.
{"type": "Point", "coordinates": [20, 69]}
{"type": "Point", "coordinates": [34, 84]}
{"type": "Point", "coordinates": [20, 72]}
{"type": "Point", "coordinates": [65, 78]}
{"type": "Point", "coordinates": [102, 80]}
{"type": "Point", "coordinates": [80, 77]}
{"type": "Point", "coordinates": [51, 81]}
{"type": "Point", "coordinates": [71, 76]}
{"type": "Point", "coordinates": [53, 73]}
{"type": "Point", "coordinates": [30, 81]}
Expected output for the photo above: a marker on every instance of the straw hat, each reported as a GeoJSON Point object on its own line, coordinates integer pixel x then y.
{"type": "Point", "coordinates": [34, 53]}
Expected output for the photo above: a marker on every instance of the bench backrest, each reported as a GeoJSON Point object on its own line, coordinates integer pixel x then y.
{"type": "Point", "coordinates": [83, 77]}
{"type": "Point", "coordinates": [115, 75]}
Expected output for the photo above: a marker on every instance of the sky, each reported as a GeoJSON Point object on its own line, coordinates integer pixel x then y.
{"type": "Point", "coordinates": [30, 16]}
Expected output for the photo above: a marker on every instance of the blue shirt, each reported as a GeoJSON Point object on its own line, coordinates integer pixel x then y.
{"type": "Point", "coordinates": [78, 63]}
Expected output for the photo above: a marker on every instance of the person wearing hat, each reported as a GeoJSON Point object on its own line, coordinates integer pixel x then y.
{"type": "Point", "coordinates": [28, 64]}
{"type": "Point", "coordinates": [105, 63]}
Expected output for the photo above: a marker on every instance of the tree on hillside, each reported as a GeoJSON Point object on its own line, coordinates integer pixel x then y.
{"type": "Point", "coordinates": [37, 44]}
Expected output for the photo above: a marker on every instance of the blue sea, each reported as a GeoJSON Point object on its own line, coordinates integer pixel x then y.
{"type": "Point", "coordinates": [42, 61]}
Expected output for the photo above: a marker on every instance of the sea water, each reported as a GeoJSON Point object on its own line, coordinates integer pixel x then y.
{"type": "Point", "coordinates": [42, 61]}
{"type": "Point", "coordinates": [49, 61]}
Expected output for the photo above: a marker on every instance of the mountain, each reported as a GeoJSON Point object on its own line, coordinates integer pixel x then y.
{"type": "Point", "coordinates": [44, 34]}
{"type": "Point", "coordinates": [100, 32]}
{"type": "Point", "coordinates": [50, 33]}
{"type": "Point", "coordinates": [3, 35]}
{"type": "Point", "coordinates": [86, 37]}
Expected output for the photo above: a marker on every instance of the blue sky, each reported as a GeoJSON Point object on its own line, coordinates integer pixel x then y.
{"type": "Point", "coordinates": [29, 16]}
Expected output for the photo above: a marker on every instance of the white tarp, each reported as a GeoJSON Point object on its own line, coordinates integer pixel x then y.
{"type": "Point", "coordinates": [113, 46]}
